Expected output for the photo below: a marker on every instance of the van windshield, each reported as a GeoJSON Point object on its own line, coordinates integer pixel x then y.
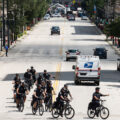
{"type": "Point", "coordinates": [72, 51]}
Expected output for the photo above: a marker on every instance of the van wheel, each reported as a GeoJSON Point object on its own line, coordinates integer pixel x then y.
{"type": "Point", "coordinates": [97, 83]}
{"type": "Point", "coordinates": [67, 59]}
{"type": "Point", "coordinates": [76, 82]}
{"type": "Point", "coordinates": [105, 57]}
{"type": "Point", "coordinates": [80, 83]}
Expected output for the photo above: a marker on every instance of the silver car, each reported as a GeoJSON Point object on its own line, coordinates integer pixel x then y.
{"type": "Point", "coordinates": [84, 18]}
{"type": "Point", "coordinates": [72, 54]}
{"type": "Point", "coordinates": [46, 17]}
{"type": "Point", "coordinates": [56, 15]}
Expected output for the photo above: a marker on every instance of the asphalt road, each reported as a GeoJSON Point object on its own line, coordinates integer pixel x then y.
{"type": "Point", "coordinates": [43, 51]}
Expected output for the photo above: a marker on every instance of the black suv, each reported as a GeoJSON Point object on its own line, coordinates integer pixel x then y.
{"type": "Point", "coordinates": [101, 52]}
{"type": "Point", "coordinates": [55, 30]}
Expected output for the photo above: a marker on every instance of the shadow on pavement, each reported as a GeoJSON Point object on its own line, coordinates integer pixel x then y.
{"type": "Point", "coordinates": [9, 102]}
{"type": "Point", "coordinates": [13, 111]}
{"type": "Point", "coordinates": [106, 76]}
{"type": "Point", "coordinates": [10, 106]}
{"type": "Point", "coordinates": [117, 86]}
{"type": "Point", "coordinates": [51, 118]}
{"type": "Point", "coordinates": [29, 114]}
{"type": "Point", "coordinates": [98, 40]}
{"type": "Point", "coordinates": [9, 98]}
{"type": "Point", "coordinates": [82, 84]}
{"type": "Point", "coordinates": [85, 30]}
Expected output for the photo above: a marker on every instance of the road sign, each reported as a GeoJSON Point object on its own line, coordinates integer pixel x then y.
{"type": "Point", "coordinates": [95, 9]}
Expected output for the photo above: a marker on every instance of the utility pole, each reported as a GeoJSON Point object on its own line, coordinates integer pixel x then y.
{"type": "Point", "coordinates": [8, 23]}
{"type": "Point", "coordinates": [3, 1]}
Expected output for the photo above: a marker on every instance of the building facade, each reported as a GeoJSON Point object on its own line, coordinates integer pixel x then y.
{"type": "Point", "coordinates": [117, 9]}
{"type": "Point", "coordinates": [112, 9]}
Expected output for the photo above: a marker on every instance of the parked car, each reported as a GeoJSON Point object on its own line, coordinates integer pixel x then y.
{"type": "Point", "coordinates": [72, 54]}
{"type": "Point", "coordinates": [46, 17]}
{"type": "Point", "coordinates": [55, 30]}
{"type": "Point", "coordinates": [71, 17]}
{"type": "Point", "coordinates": [56, 15]}
{"type": "Point", "coordinates": [101, 52]}
{"type": "Point", "coordinates": [87, 68]}
{"type": "Point", "coordinates": [84, 18]}
{"type": "Point", "coordinates": [118, 65]}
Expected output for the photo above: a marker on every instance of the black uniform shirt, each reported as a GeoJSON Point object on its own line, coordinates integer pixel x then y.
{"type": "Point", "coordinates": [98, 95]}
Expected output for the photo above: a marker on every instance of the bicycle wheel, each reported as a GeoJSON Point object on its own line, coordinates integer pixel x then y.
{"type": "Point", "coordinates": [50, 108]}
{"type": "Point", "coordinates": [34, 110]}
{"type": "Point", "coordinates": [41, 110]}
{"type": "Point", "coordinates": [69, 112]}
{"type": "Point", "coordinates": [55, 113]}
{"type": "Point", "coordinates": [46, 108]}
{"type": "Point", "coordinates": [104, 113]}
{"type": "Point", "coordinates": [91, 113]}
{"type": "Point", "coordinates": [21, 106]}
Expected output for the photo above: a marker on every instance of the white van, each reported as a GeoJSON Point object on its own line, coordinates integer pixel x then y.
{"type": "Point", "coordinates": [87, 68]}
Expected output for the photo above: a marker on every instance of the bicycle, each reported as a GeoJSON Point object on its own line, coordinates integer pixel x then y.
{"type": "Point", "coordinates": [101, 111]}
{"type": "Point", "coordinates": [48, 103]}
{"type": "Point", "coordinates": [21, 103]}
{"type": "Point", "coordinates": [38, 107]}
{"type": "Point", "coordinates": [68, 110]}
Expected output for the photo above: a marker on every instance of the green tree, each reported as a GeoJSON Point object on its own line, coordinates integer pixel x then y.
{"type": "Point", "coordinates": [23, 13]}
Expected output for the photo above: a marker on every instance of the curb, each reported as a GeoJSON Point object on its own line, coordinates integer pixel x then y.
{"type": "Point", "coordinates": [117, 50]}
{"type": "Point", "coordinates": [2, 53]}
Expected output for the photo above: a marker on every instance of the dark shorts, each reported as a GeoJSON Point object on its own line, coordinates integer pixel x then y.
{"type": "Point", "coordinates": [19, 96]}
{"type": "Point", "coordinates": [94, 105]}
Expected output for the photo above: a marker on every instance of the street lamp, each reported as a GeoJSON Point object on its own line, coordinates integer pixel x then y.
{"type": "Point", "coordinates": [3, 17]}
{"type": "Point", "coordinates": [8, 24]}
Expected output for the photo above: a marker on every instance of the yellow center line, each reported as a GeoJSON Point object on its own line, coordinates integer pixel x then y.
{"type": "Point", "coordinates": [58, 69]}
{"type": "Point", "coordinates": [56, 83]}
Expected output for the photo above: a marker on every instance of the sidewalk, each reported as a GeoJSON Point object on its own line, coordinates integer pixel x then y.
{"type": "Point", "coordinates": [117, 50]}
{"type": "Point", "coordinates": [2, 53]}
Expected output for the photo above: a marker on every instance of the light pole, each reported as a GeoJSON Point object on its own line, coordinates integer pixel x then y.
{"type": "Point", "coordinates": [8, 23]}
{"type": "Point", "coordinates": [3, 17]}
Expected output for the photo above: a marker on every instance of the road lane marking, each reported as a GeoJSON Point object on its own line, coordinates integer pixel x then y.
{"type": "Point", "coordinates": [58, 69]}
{"type": "Point", "coordinates": [56, 83]}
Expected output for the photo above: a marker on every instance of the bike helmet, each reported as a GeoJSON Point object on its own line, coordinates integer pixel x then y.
{"type": "Point", "coordinates": [22, 83]}
{"type": "Point", "coordinates": [32, 67]}
{"type": "Point", "coordinates": [38, 85]}
{"type": "Point", "coordinates": [45, 70]}
{"type": "Point", "coordinates": [97, 88]}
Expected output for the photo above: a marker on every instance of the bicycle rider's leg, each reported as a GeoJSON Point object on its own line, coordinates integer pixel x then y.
{"type": "Point", "coordinates": [35, 104]}
{"type": "Point", "coordinates": [61, 107]}
{"type": "Point", "coordinates": [97, 105]}
{"type": "Point", "coordinates": [18, 100]}
{"type": "Point", "coordinates": [24, 98]}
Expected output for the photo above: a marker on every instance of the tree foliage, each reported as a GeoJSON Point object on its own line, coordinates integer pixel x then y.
{"type": "Point", "coordinates": [22, 12]}
{"type": "Point", "coordinates": [113, 28]}
{"type": "Point", "coordinates": [89, 5]}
